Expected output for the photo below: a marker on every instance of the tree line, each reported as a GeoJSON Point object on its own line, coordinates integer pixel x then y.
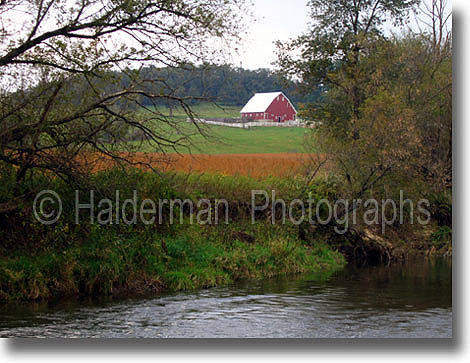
{"type": "Point", "coordinates": [224, 84]}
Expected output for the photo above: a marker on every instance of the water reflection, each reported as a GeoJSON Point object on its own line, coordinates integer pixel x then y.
{"type": "Point", "coordinates": [403, 300]}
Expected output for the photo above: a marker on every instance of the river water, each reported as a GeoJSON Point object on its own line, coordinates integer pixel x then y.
{"type": "Point", "coordinates": [413, 299]}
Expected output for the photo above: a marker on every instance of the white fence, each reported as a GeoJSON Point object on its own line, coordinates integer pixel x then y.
{"type": "Point", "coordinates": [246, 125]}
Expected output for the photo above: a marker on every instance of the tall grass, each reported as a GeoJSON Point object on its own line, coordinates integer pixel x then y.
{"type": "Point", "coordinates": [64, 259]}
{"type": "Point", "coordinates": [108, 262]}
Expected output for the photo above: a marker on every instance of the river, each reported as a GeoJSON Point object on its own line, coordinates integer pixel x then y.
{"type": "Point", "coordinates": [411, 299]}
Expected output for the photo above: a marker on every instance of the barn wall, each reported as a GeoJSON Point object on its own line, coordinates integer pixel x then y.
{"type": "Point", "coordinates": [277, 108]}
{"type": "Point", "coordinates": [282, 109]}
{"type": "Point", "coordinates": [253, 115]}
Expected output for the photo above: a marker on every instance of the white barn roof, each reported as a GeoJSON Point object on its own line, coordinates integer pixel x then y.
{"type": "Point", "coordinates": [261, 101]}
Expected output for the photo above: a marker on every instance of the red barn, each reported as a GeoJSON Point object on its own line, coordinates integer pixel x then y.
{"type": "Point", "coordinates": [270, 106]}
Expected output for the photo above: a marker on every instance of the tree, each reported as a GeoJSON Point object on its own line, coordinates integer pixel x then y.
{"type": "Point", "coordinates": [71, 81]}
{"type": "Point", "coordinates": [330, 52]}
{"type": "Point", "coordinates": [223, 84]}
{"type": "Point", "coordinates": [404, 132]}
{"type": "Point", "coordinates": [384, 122]}
{"type": "Point", "coordinates": [430, 93]}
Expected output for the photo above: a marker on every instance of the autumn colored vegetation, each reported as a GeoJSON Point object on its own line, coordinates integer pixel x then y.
{"type": "Point", "coordinates": [254, 165]}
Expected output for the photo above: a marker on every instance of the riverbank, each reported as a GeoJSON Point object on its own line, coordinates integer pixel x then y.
{"type": "Point", "coordinates": [40, 261]}
{"type": "Point", "coordinates": [142, 262]}
{"type": "Point", "coordinates": [406, 299]}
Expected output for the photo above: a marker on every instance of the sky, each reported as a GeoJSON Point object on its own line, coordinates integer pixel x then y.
{"type": "Point", "coordinates": [275, 20]}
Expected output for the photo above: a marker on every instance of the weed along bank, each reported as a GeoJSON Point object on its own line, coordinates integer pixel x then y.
{"type": "Point", "coordinates": [146, 211]}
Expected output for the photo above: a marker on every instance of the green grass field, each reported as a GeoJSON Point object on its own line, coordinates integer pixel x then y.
{"type": "Point", "coordinates": [228, 140]}
{"type": "Point", "coordinates": [209, 110]}
{"type": "Point", "coordinates": [257, 140]}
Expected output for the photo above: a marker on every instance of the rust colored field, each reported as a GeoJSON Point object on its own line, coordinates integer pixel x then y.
{"type": "Point", "coordinates": [243, 164]}
{"type": "Point", "coordinates": [255, 165]}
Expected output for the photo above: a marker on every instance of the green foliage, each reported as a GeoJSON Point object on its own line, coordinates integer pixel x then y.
{"type": "Point", "coordinates": [7, 182]}
{"type": "Point", "coordinates": [108, 262]}
{"type": "Point", "coordinates": [330, 51]}
{"type": "Point", "coordinates": [203, 110]}
{"type": "Point", "coordinates": [221, 83]}
{"type": "Point", "coordinates": [385, 118]}
{"type": "Point", "coordinates": [68, 259]}
{"type": "Point", "coordinates": [441, 208]}
{"type": "Point", "coordinates": [235, 188]}
{"type": "Point", "coordinates": [442, 237]}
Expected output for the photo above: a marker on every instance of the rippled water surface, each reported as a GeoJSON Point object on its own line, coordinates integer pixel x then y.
{"type": "Point", "coordinates": [403, 300]}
